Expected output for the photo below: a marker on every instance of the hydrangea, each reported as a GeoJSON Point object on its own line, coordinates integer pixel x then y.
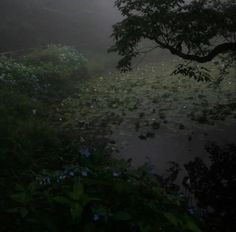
{"type": "Point", "coordinates": [85, 172]}
{"type": "Point", "coordinates": [191, 210]}
{"type": "Point", "coordinates": [85, 152]}
{"type": "Point", "coordinates": [96, 217]}
{"type": "Point", "coordinates": [116, 174]}
{"type": "Point", "coordinates": [45, 181]}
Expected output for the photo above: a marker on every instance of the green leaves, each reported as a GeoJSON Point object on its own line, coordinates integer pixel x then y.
{"type": "Point", "coordinates": [121, 216]}
{"type": "Point", "coordinates": [77, 192]}
{"type": "Point", "coordinates": [191, 226]}
{"type": "Point", "coordinates": [133, 197]}
{"type": "Point", "coordinates": [62, 200]}
{"type": "Point", "coordinates": [182, 221]}
{"type": "Point", "coordinates": [171, 218]}
{"type": "Point", "coordinates": [196, 72]}
{"type": "Point", "coordinates": [76, 200]}
{"type": "Point", "coordinates": [76, 211]}
{"type": "Point", "coordinates": [23, 212]}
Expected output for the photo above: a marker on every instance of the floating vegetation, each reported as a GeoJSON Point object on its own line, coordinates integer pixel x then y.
{"type": "Point", "coordinates": [134, 99]}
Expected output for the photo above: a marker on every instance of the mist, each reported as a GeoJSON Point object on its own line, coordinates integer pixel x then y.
{"type": "Point", "coordinates": [83, 24]}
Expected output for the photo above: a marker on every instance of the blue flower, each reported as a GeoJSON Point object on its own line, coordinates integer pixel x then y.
{"type": "Point", "coordinates": [96, 217]}
{"type": "Point", "coordinates": [62, 177]}
{"type": "Point", "coordinates": [85, 152]}
{"type": "Point", "coordinates": [116, 174]}
{"type": "Point", "coordinates": [191, 210]}
{"type": "Point", "coordinates": [84, 173]}
{"type": "Point", "coordinates": [46, 180]}
{"type": "Point", "coordinates": [71, 173]}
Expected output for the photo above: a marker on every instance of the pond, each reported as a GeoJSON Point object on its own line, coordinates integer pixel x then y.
{"type": "Point", "coordinates": [152, 116]}
{"type": "Point", "coordinates": [169, 145]}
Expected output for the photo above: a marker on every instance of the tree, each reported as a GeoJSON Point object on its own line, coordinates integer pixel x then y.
{"type": "Point", "coordinates": [214, 186]}
{"type": "Point", "coordinates": [195, 30]}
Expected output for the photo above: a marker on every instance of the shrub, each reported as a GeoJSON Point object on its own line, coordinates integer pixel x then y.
{"type": "Point", "coordinates": [29, 139]}
{"type": "Point", "coordinates": [51, 73]}
{"type": "Point", "coordinates": [18, 77]}
{"type": "Point", "coordinates": [58, 64]}
{"type": "Point", "coordinates": [98, 196]}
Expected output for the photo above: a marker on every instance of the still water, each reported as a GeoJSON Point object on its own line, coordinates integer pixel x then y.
{"type": "Point", "coordinates": [169, 145]}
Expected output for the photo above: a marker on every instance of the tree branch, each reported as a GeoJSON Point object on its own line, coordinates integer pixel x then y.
{"type": "Point", "coordinates": [225, 47]}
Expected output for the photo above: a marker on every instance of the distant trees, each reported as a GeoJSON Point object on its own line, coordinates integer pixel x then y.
{"type": "Point", "coordinates": [196, 30]}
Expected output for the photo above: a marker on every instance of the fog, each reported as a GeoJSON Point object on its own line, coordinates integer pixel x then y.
{"type": "Point", "coordinates": [87, 147]}
{"type": "Point", "coordinates": [83, 24]}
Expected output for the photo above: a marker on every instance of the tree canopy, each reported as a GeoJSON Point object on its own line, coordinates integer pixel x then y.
{"type": "Point", "coordinates": [196, 30]}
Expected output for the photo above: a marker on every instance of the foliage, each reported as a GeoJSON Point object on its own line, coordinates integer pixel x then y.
{"type": "Point", "coordinates": [59, 68]}
{"type": "Point", "coordinates": [101, 196]}
{"type": "Point", "coordinates": [195, 30]}
{"type": "Point", "coordinates": [214, 186]}
{"type": "Point", "coordinates": [53, 70]}
{"type": "Point", "coordinates": [29, 137]}
{"type": "Point", "coordinates": [58, 55]}
{"type": "Point", "coordinates": [193, 71]}
{"type": "Point", "coordinates": [50, 179]}
{"type": "Point", "coordinates": [18, 76]}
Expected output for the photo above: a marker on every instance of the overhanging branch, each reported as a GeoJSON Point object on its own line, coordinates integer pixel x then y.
{"type": "Point", "coordinates": [222, 48]}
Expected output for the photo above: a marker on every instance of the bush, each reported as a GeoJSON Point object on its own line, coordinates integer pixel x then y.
{"type": "Point", "coordinates": [98, 196]}
{"type": "Point", "coordinates": [29, 139]}
{"type": "Point", "coordinates": [51, 73]}
{"type": "Point", "coordinates": [18, 77]}
{"type": "Point", "coordinates": [58, 65]}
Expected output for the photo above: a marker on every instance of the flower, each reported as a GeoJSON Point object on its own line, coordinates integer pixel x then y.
{"type": "Point", "coordinates": [85, 152]}
{"type": "Point", "coordinates": [62, 177]}
{"type": "Point", "coordinates": [116, 174]}
{"type": "Point", "coordinates": [45, 181]}
{"type": "Point", "coordinates": [84, 173]}
{"type": "Point", "coordinates": [191, 210]}
{"type": "Point", "coordinates": [71, 173]}
{"type": "Point", "coordinates": [96, 217]}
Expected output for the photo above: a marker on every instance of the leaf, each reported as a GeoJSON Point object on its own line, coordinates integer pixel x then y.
{"type": "Point", "coordinates": [122, 216]}
{"type": "Point", "coordinates": [23, 212]}
{"type": "Point", "coordinates": [76, 211]}
{"type": "Point", "coordinates": [171, 218]}
{"type": "Point", "coordinates": [13, 210]}
{"type": "Point", "coordinates": [21, 197]}
{"type": "Point", "coordinates": [62, 200]}
{"type": "Point", "coordinates": [77, 191]}
{"type": "Point", "coordinates": [190, 225]}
